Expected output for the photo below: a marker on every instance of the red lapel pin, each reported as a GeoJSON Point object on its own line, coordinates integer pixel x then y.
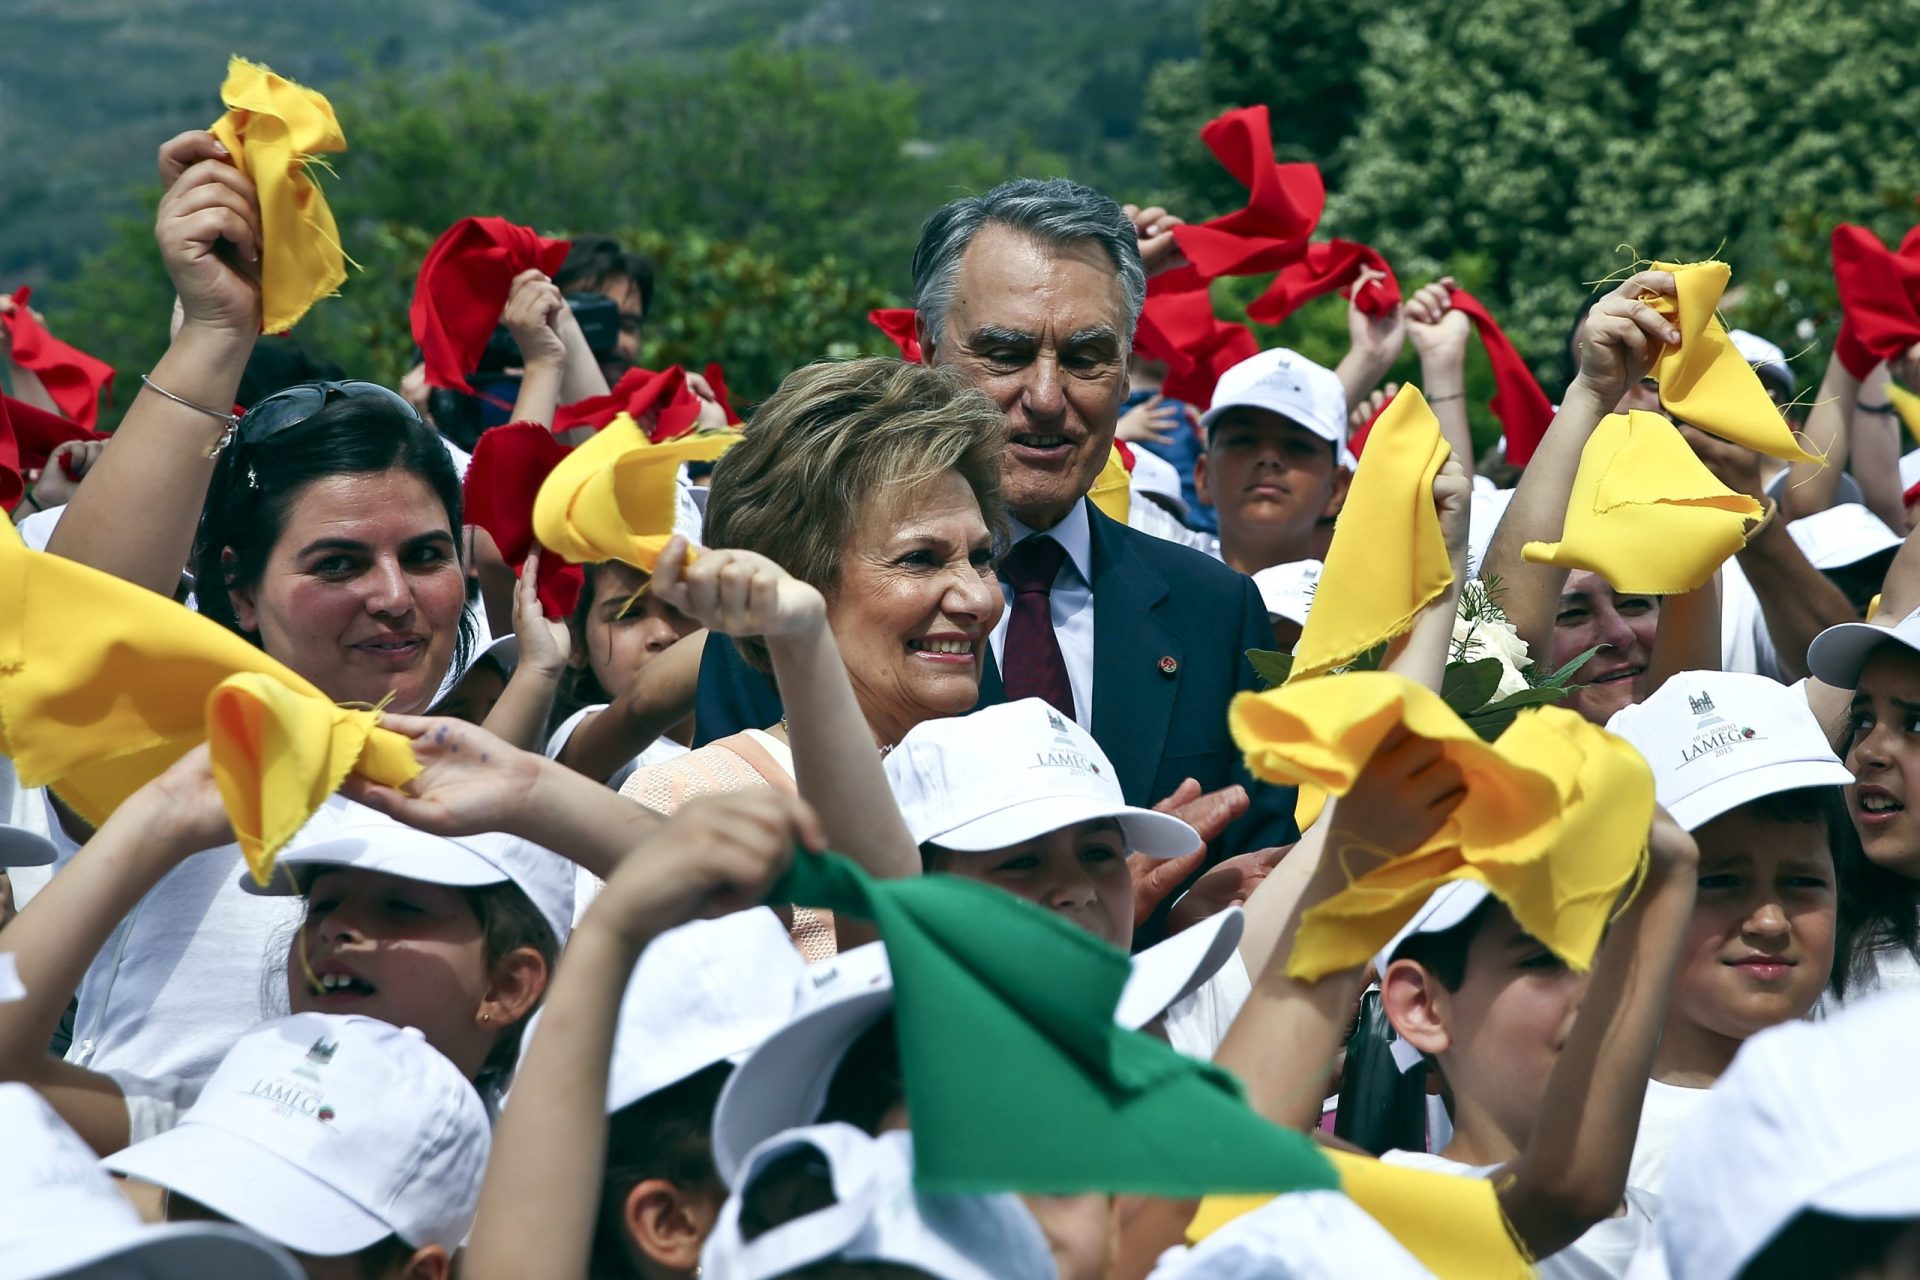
{"type": "Point", "coordinates": [1169, 665]}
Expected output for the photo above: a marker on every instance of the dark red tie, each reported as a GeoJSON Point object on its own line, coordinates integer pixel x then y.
{"type": "Point", "coordinates": [1032, 665]}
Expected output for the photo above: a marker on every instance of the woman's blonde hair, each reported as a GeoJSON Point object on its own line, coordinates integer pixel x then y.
{"type": "Point", "coordinates": [836, 435]}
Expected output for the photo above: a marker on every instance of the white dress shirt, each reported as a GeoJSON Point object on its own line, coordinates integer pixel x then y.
{"type": "Point", "coordinates": [1071, 604]}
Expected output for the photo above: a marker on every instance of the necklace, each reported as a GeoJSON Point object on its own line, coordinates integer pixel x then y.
{"type": "Point", "coordinates": [885, 748]}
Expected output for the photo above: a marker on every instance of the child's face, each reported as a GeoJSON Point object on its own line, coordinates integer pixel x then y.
{"type": "Point", "coordinates": [410, 953]}
{"type": "Point", "coordinates": [1759, 948]}
{"type": "Point", "coordinates": [1508, 1022]}
{"type": "Point", "coordinates": [1883, 750]}
{"type": "Point", "coordinates": [1079, 872]}
{"type": "Point", "coordinates": [620, 640]}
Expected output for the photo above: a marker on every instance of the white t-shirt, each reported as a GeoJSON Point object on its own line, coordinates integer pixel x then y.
{"type": "Point", "coordinates": [1666, 1110]}
{"type": "Point", "coordinates": [198, 961]}
{"type": "Point", "coordinates": [661, 750]}
{"type": "Point", "coordinates": [1603, 1253]}
{"type": "Point", "coordinates": [1745, 643]}
{"type": "Point", "coordinates": [154, 1104]}
{"type": "Point", "coordinates": [1894, 969]}
{"type": "Point", "coordinates": [1197, 1023]}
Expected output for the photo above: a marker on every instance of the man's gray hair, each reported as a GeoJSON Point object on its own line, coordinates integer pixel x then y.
{"type": "Point", "coordinates": [1052, 210]}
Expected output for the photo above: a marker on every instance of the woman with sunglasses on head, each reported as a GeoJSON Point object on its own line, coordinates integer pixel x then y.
{"type": "Point", "coordinates": [323, 524]}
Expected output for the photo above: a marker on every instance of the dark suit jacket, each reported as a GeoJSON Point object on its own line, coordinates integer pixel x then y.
{"type": "Point", "coordinates": [1171, 627]}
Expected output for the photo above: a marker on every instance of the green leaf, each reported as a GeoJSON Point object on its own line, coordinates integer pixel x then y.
{"type": "Point", "coordinates": [1562, 678]}
{"type": "Point", "coordinates": [1467, 686]}
{"type": "Point", "coordinates": [1271, 666]}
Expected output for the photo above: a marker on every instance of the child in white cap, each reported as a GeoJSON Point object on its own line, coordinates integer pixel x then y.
{"type": "Point", "coordinates": [1740, 762]}
{"type": "Point", "coordinates": [456, 937]}
{"type": "Point", "coordinates": [61, 1215]}
{"type": "Point", "coordinates": [602, 1163]}
{"type": "Point", "coordinates": [1874, 672]}
{"type": "Point", "coordinates": [344, 1140]}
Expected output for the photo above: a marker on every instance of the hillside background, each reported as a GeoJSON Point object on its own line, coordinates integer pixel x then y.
{"type": "Point", "coordinates": [776, 158]}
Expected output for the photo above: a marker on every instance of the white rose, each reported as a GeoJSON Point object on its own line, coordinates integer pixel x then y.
{"type": "Point", "coordinates": [1488, 639]}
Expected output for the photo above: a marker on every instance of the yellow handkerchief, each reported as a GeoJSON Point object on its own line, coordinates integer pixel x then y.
{"type": "Point", "coordinates": [271, 128]}
{"type": "Point", "coordinates": [614, 497]}
{"type": "Point", "coordinates": [1525, 829]}
{"type": "Point", "coordinates": [1112, 490]}
{"type": "Point", "coordinates": [1388, 560]}
{"type": "Point", "coordinates": [278, 754]}
{"type": "Point", "coordinates": [1452, 1225]}
{"type": "Point", "coordinates": [1706, 382]}
{"type": "Point", "coordinates": [1907, 405]}
{"type": "Point", "coordinates": [104, 684]}
{"type": "Point", "coordinates": [1645, 513]}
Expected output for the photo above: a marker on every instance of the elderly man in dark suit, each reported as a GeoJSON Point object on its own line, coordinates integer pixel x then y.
{"type": "Point", "coordinates": [1034, 289]}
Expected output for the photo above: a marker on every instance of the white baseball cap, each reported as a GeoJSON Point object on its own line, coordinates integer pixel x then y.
{"type": "Point", "coordinates": [877, 1216]}
{"type": "Point", "coordinates": [1767, 359]}
{"type": "Point", "coordinates": [327, 1134]}
{"type": "Point", "coordinates": [373, 842]}
{"type": "Point", "coordinates": [1718, 739]}
{"type": "Point", "coordinates": [707, 992]}
{"type": "Point", "coordinates": [1811, 1116]}
{"type": "Point", "coordinates": [1015, 772]}
{"type": "Point", "coordinates": [20, 847]}
{"type": "Point", "coordinates": [1153, 474]}
{"type": "Point", "coordinates": [63, 1216]}
{"type": "Point", "coordinates": [1304, 1235]}
{"type": "Point", "coordinates": [1838, 654]}
{"type": "Point", "coordinates": [1842, 535]}
{"type": "Point", "coordinates": [1287, 589]}
{"type": "Point", "coordinates": [1287, 383]}
{"type": "Point", "coordinates": [783, 1083]}
{"type": "Point", "coordinates": [1447, 907]}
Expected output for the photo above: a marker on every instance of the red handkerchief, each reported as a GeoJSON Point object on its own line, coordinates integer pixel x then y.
{"type": "Point", "coordinates": [898, 324]}
{"type": "Point", "coordinates": [72, 377]}
{"type": "Point", "coordinates": [1522, 407]}
{"type": "Point", "coordinates": [463, 288]}
{"type": "Point", "coordinates": [38, 433]}
{"type": "Point", "coordinates": [1880, 293]}
{"type": "Point", "coordinates": [11, 483]}
{"type": "Point", "coordinates": [717, 379]}
{"type": "Point", "coordinates": [509, 465]}
{"type": "Point", "coordinates": [661, 402]}
{"type": "Point", "coordinates": [1197, 346]}
{"type": "Point", "coordinates": [1284, 203]}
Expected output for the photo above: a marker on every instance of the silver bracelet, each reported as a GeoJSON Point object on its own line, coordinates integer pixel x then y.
{"type": "Point", "coordinates": [1452, 395]}
{"type": "Point", "coordinates": [232, 420]}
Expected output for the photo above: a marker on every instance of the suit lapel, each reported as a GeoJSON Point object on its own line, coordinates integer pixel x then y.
{"type": "Point", "coordinates": [1132, 694]}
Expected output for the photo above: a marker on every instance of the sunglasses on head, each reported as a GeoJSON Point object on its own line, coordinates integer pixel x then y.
{"type": "Point", "coordinates": [294, 405]}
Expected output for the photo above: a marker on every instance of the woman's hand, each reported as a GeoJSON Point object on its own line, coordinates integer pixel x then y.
{"type": "Point", "coordinates": [470, 781]}
{"type": "Point", "coordinates": [1152, 421]}
{"type": "Point", "coordinates": [66, 467]}
{"type": "Point", "coordinates": [1623, 337]}
{"type": "Point", "coordinates": [1438, 333]}
{"type": "Point", "coordinates": [737, 593]}
{"type": "Point", "coordinates": [208, 229]}
{"type": "Point", "coordinates": [717, 855]}
{"type": "Point", "coordinates": [545, 644]}
{"type": "Point", "coordinates": [1400, 801]}
{"type": "Point", "coordinates": [532, 315]}
{"type": "Point", "coordinates": [1376, 340]}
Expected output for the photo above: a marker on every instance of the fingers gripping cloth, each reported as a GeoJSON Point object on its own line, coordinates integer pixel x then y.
{"type": "Point", "coordinates": [463, 287]}
{"type": "Point", "coordinates": [1645, 513]}
{"type": "Point", "coordinates": [1705, 381]}
{"type": "Point", "coordinates": [614, 498]}
{"type": "Point", "coordinates": [1388, 560]}
{"type": "Point", "coordinates": [1554, 820]}
{"type": "Point", "coordinates": [103, 685]}
{"type": "Point", "coordinates": [273, 128]}
{"type": "Point", "coordinates": [38, 433]}
{"type": "Point", "coordinates": [639, 393]}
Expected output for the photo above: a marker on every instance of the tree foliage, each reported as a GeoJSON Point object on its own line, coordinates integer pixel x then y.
{"type": "Point", "coordinates": [1544, 150]}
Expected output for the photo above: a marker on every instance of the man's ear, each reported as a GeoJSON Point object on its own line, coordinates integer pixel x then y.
{"type": "Point", "coordinates": [921, 336]}
{"type": "Point", "coordinates": [1416, 1003]}
{"type": "Point", "coordinates": [668, 1224]}
{"type": "Point", "coordinates": [1200, 479]}
{"type": "Point", "coordinates": [430, 1263]}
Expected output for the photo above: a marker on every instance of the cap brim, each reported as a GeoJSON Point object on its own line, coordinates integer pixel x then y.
{"type": "Point", "coordinates": [1338, 439]}
{"type": "Point", "coordinates": [22, 848]}
{"type": "Point", "coordinates": [253, 1186]}
{"type": "Point", "coordinates": [1157, 835]}
{"type": "Point", "coordinates": [1890, 1190]}
{"type": "Point", "coordinates": [1838, 654]}
{"type": "Point", "coordinates": [1169, 972]}
{"type": "Point", "coordinates": [163, 1251]}
{"type": "Point", "coordinates": [404, 853]}
{"type": "Point", "coordinates": [1703, 806]}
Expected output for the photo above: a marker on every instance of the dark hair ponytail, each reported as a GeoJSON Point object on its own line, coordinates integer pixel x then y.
{"type": "Point", "coordinates": [255, 485]}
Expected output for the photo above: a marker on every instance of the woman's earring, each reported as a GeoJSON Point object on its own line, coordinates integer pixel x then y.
{"type": "Point", "coordinates": [485, 1017]}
